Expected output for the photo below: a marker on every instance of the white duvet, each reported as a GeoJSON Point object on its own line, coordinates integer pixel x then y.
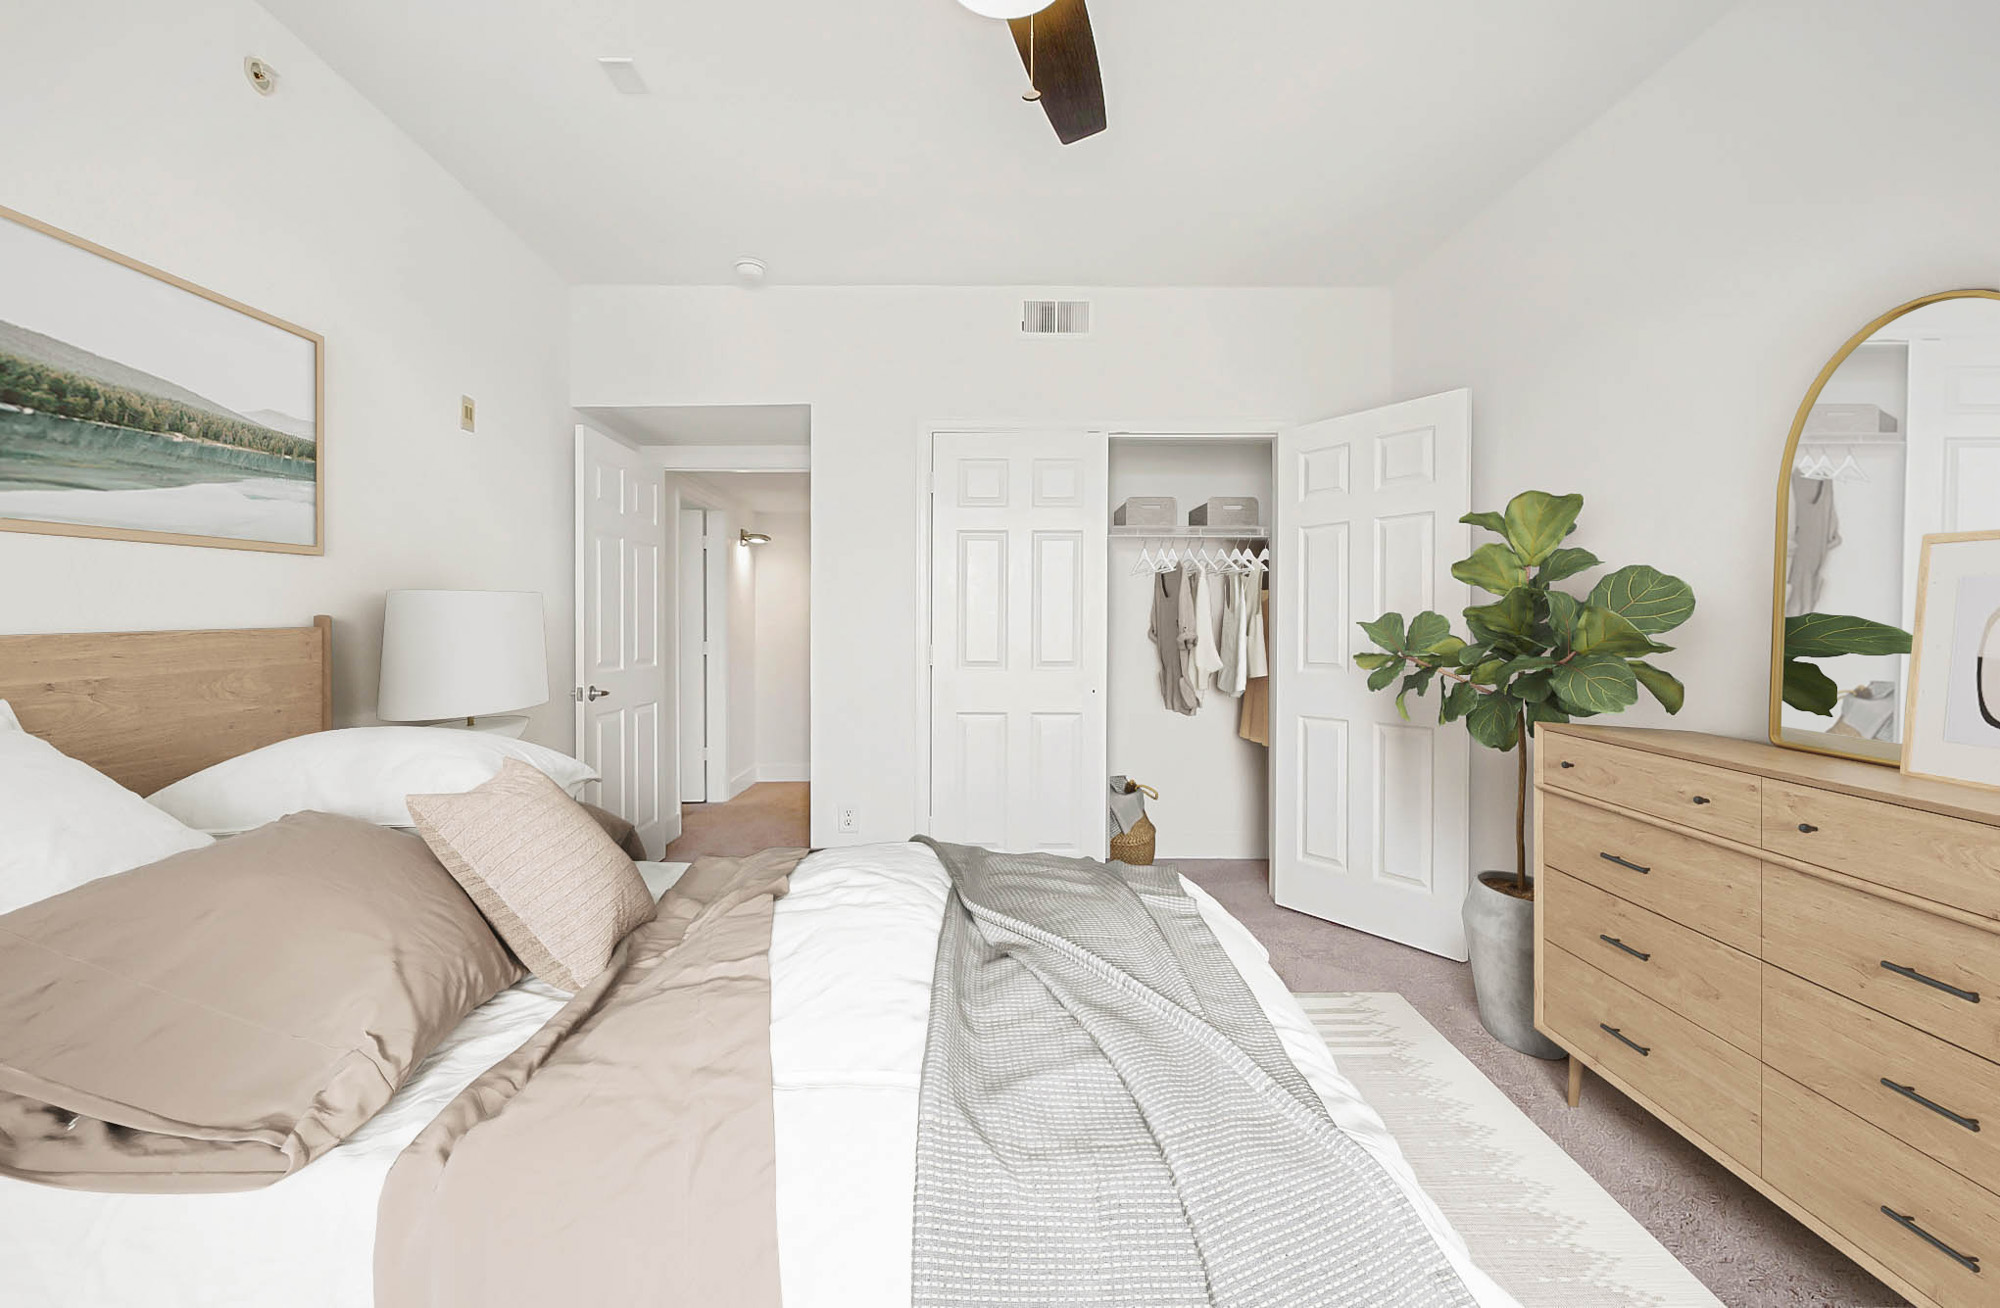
{"type": "Point", "coordinates": [851, 954]}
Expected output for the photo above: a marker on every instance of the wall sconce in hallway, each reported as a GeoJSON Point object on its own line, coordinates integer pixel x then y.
{"type": "Point", "coordinates": [754, 538]}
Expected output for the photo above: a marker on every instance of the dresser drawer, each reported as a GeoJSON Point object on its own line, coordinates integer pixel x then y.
{"type": "Point", "coordinates": [1699, 1078]}
{"type": "Point", "coordinates": [1713, 890]}
{"type": "Point", "coordinates": [1934, 973]}
{"type": "Point", "coordinates": [1847, 1173]}
{"type": "Point", "coordinates": [1943, 858]}
{"type": "Point", "coordinates": [1703, 980]}
{"type": "Point", "coordinates": [1710, 799]}
{"type": "Point", "coordinates": [1916, 1087]}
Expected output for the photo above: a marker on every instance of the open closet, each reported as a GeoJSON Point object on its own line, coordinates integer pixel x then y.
{"type": "Point", "coordinates": [1044, 679]}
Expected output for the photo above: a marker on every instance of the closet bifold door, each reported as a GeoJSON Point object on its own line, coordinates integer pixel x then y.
{"type": "Point", "coordinates": [1017, 640]}
{"type": "Point", "coordinates": [1369, 811]}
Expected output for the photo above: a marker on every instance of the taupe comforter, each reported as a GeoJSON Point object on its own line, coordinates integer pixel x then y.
{"type": "Point", "coordinates": [219, 1019]}
{"type": "Point", "coordinates": [625, 1154]}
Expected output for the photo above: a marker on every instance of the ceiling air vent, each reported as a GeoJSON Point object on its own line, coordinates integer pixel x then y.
{"type": "Point", "coordinates": [1055, 317]}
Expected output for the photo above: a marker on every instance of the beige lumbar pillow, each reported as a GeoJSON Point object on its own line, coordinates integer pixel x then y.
{"type": "Point", "coordinates": [545, 874]}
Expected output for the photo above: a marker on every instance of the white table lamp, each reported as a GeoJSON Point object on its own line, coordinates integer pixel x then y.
{"type": "Point", "coordinates": [463, 655]}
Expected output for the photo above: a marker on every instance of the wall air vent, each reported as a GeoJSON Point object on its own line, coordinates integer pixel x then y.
{"type": "Point", "coordinates": [1055, 317]}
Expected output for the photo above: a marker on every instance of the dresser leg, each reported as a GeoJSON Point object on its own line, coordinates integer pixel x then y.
{"type": "Point", "coordinates": [1575, 1081]}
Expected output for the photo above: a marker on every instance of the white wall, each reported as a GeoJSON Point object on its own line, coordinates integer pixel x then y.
{"type": "Point", "coordinates": [131, 123]}
{"type": "Point", "coordinates": [881, 366]}
{"type": "Point", "coordinates": [784, 647]}
{"type": "Point", "coordinates": [1639, 318]}
{"type": "Point", "coordinates": [1214, 785]}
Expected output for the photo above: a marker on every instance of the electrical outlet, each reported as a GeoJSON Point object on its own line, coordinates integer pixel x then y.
{"type": "Point", "coordinates": [465, 413]}
{"type": "Point", "coordinates": [849, 819]}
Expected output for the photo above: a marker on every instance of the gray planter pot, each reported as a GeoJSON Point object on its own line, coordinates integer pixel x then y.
{"type": "Point", "coordinates": [1500, 930]}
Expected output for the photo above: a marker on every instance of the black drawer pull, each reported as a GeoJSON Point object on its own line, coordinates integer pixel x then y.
{"type": "Point", "coordinates": [1622, 1038]}
{"type": "Point", "coordinates": [1910, 1093]}
{"type": "Point", "coordinates": [1967, 1261]}
{"type": "Point", "coordinates": [1625, 863]}
{"type": "Point", "coordinates": [1566, 764]}
{"type": "Point", "coordinates": [1701, 799]}
{"type": "Point", "coordinates": [1616, 943]}
{"type": "Point", "coordinates": [1969, 996]}
{"type": "Point", "coordinates": [1807, 827]}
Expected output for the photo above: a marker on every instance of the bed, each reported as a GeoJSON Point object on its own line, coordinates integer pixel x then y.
{"type": "Point", "coordinates": [853, 947]}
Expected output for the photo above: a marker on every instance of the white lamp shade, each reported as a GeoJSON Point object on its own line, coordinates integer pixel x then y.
{"type": "Point", "coordinates": [1006, 8]}
{"type": "Point", "coordinates": [461, 653]}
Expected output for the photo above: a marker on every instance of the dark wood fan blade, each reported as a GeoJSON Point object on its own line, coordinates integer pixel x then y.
{"type": "Point", "coordinates": [1066, 69]}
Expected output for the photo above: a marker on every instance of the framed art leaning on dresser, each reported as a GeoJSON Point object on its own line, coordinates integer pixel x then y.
{"type": "Point", "coordinates": [1790, 959]}
{"type": "Point", "coordinates": [1953, 730]}
{"type": "Point", "coordinates": [138, 406]}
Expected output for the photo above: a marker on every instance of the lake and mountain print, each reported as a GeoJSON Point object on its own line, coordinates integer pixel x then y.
{"type": "Point", "coordinates": [135, 406]}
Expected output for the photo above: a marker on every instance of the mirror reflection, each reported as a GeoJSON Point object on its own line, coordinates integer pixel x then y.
{"type": "Point", "coordinates": [1902, 441]}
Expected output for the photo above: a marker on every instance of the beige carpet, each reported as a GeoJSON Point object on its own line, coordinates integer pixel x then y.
{"type": "Point", "coordinates": [769, 815]}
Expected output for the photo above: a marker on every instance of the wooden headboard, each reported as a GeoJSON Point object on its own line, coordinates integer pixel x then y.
{"type": "Point", "coordinates": [147, 708]}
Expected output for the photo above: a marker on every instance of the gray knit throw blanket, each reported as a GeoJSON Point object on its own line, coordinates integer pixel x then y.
{"type": "Point", "coordinates": [1107, 1117]}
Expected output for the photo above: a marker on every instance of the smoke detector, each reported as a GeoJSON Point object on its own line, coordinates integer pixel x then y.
{"type": "Point", "coordinates": [261, 75]}
{"type": "Point", "coordinates": [750, 271]}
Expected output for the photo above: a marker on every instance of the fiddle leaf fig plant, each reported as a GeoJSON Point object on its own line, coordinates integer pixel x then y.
{"type": "Point", "coordinates": [1535, 653]}
{"type": "Point", "coordinates": [1828, 635]}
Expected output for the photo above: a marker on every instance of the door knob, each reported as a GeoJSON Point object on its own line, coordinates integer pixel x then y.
{"type": "Point", "coordinates": [594, 694]}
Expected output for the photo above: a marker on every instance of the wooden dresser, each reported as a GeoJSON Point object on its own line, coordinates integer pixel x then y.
{"type": "Point", "coordinates": [1794, 961]}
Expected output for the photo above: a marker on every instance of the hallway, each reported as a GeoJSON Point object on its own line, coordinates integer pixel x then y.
{"type": "Point", "coordinates": [769, 815]}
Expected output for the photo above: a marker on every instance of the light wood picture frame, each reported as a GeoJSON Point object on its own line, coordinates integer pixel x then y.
{"type": "Point", "coordinates": [136, 405]}
{"type": "Point", "coordinates": [1952, 719]}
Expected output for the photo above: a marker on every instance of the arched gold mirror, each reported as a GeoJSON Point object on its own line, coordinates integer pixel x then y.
{"type": "Point", "coordinates": [1899, 437]}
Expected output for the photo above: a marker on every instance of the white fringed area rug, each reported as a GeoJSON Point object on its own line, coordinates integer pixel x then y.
{"type": "Point", "coordinates": [1534, 1219]}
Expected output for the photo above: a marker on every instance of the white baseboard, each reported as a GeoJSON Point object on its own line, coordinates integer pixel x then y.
{"type": "Point", "coordinates": [741, 782]}
{"type": "Point", "coordinates": [784, 772]}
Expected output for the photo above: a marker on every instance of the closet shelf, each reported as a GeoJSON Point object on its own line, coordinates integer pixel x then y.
{"type": "Point", "coordinates": [1193, 533]}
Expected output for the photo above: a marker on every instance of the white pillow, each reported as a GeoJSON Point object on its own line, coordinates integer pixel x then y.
{"type": "Point", "coordinates": [359, 772]}
{"type": "Point", "coordinates": [63, 822]}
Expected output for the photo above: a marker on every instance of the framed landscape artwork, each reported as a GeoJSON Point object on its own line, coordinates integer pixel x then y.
{"type": "Point", "coordinates": [1953, 730]}
{"type": "Point", "coordinates": [138, 406]}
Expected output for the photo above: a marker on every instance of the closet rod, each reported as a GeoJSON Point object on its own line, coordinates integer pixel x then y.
{"type": "Point", "coordinates": [1193, 533]}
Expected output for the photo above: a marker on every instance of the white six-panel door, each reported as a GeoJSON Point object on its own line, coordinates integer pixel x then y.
{"type": "Point", "coordinates": [691, 605]}
{"type": "Point", "coordinates": [1370, 811]}
{"type": "Point", "coordinates": [1018, 558]}
{"type": "Point", "coordinates": [623, 708]}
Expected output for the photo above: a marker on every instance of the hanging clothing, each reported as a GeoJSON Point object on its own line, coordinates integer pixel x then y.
{"type": "Point", "coordinates": [1190, 637]}
{"type": "Point", "coordinates": [1166, 633]}
{"type": "Point", "coordinates": [1207, 654]}
{"type": "Point", "coordinates": [1815, 534]}
{"type": "Point", "coordinates": [1235, 672]}
{"type": "Point", "coordinates": [1255, 723]}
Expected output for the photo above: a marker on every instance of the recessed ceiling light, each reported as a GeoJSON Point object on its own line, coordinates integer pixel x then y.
{"type": "Point", "coordinates": [624, 74]}
{"type": "Point", "coordinates": [750, 271]}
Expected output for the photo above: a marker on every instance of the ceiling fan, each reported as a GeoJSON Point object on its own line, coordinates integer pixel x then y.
{"type": "Point", "coordinates": [1060, 56]}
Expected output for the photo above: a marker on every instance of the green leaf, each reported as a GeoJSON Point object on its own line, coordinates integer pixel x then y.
{"type": "Point", "coordinates": [1509, 621]}
{"type": "Point", "coordinates": [1566, 562]}
{"type": "Point", "coordinates": [1563, 608]}
{"type": "Point", "coordinates": [1526, 663]}
{"type": "Point", "coordinates": [1808, 689]}
{"type": "Point", "coordinates": [1546, 711]}
{"type": "Point", "coordinates": [1427, 631]}
{"type": "Point", "coordinates": [1373, 661]}
{"type": "Point", "coordinates": [1822, 635]}
{"type": "Point", "coordinates": [1495, 722]}
{"type": "Point", "coordinates": [1493, 568]}
{"type": "Point", "coordinates": [1537, 521]}
{"type": "Point", "coordinates": [1595, 683]}
{"type": "Point", "coordinates": [1471, 656]}
{"type": "Point", "coordinates": [1665, 687]}
{"type": "Point", "coordinates": [1600, 630]}
{"type": "Point", "coordinates": [1532, 688]}
{"type": "Point", "coordinates": [1647, 598]}
{"type": "Point", "coordinates": [1386, 631]}
{"type": "Point", "coordinates": [1385, 674]}
{"type": "Point", "coordinates": [1458, 701]}
{"type": "Point", "coordinates": [1447, 650]}
{"type": "Point", "coordinates": [1489, 671]}
{"type": "Point", "coordinates": [1491, 521]}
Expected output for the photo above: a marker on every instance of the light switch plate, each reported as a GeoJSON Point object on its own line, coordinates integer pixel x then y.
{"type": "Point", "coordinates": [465, 412]}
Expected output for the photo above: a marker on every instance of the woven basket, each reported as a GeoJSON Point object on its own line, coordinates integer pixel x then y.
{"type": "Point", "coordinates": [1136, 846]}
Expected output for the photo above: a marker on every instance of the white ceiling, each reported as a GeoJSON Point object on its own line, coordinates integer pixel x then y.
{"type": "Point", "coordinates": [765, 492]}
{"type": "Point", "coordinates": [1252, 142]}
{"type": "Point", "coordinates": [707, 424]}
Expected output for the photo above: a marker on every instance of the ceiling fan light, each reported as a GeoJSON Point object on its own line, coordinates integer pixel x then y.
{"type": "Point", "coordinates": [1006, 8]}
